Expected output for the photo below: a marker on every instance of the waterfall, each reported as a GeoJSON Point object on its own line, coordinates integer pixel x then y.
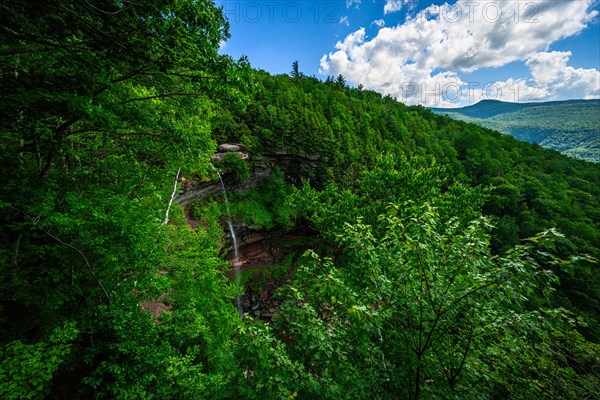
{"type": "Point", "coordinates": [236, 255]}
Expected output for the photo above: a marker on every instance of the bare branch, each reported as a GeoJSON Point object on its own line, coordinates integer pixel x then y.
{"type": "Point", "coordinates": [23, 51]}
{"type": "Point", "coordinates": [90, 268]}
{"type": "Point", "coordinates": [160, 96]}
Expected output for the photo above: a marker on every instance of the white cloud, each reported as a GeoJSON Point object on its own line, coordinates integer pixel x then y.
{"type": "Point", "coordinates": [393, 6]}
{"type": "Point", "coordinates": [349, 3]}
{"type": "Point", "coordinates": [552, 79]}
{"type": "Point", "coordinates": [379, 22]}
{"type": "Point", "coordinates": [344, 21]}
{"type": "Point", "coordinates": [556, 80]}
{"type": "Point", "coordinates": [433, 47]}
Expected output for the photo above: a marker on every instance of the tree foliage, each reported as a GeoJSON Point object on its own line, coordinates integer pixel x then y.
{"type": "Point", "coordinates": [531, 189]}
{"type": "Point", "coordinates": [570, 126]}
{"type": "Point", "coordinates": [101, 103]}
{"type": "Point", "coordinates": [428, 277]}
{"type": "Point", "coordinates": [413, 304]}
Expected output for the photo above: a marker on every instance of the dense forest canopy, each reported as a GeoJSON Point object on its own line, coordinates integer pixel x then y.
{"type": "Point", "coordinates": [446, 260]}
{"type": "Point", "coordinates": [571, 126]}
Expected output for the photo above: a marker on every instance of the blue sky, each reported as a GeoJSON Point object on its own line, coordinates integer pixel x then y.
{"type": "Point", "coordinates": [436, 53]}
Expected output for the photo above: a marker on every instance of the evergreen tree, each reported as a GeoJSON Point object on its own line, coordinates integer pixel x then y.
{"type": "Point", "coordinates": [295, 70]}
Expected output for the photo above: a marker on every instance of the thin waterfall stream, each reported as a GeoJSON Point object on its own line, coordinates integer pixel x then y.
{"type": "Point", "coordinates": [236, 255]}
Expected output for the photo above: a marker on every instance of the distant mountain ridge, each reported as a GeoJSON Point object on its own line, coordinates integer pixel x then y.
{"type": "Point", "coordinates": [570, 126]}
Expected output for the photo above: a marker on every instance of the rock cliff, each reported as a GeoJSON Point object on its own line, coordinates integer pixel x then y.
{"type": "Point", "coordinates": [295, 167]}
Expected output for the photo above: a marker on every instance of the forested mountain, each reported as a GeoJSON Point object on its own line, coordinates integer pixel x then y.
{"type": "Point", "coordinates": [386, 251]}
{"type": "Point", "coordinates": [571, 126]}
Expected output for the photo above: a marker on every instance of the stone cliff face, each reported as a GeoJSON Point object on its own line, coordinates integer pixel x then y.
{"type": "Point", "coordinates": [295, 167]}
{"type": "Point", "coordinates": [260, 251]}
{"type": "Point", "coordinates": [261, 248]}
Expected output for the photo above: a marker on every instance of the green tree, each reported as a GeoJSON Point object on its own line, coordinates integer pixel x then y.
{"type": "Point", "coordinates": [295, 70]}
{"type": "Point", "coordinates": [26, 370]}
{"type": "Point", "coordinates": [101, 105]}
{"type": "Point", "coordinates": [413, 303]}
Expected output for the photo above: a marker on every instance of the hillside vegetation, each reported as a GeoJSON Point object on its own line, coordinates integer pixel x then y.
{"type": "Point", "coordinates": [445, 260]}
{"type": "Point", "coordinates": [527, 189]}
{"type": "Point", "coordinates": [571, 127]}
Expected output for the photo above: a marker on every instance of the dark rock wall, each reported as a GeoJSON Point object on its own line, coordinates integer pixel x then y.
{"type": "Point", "coordinates": [294, 166]}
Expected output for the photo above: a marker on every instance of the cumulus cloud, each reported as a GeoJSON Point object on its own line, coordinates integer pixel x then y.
{"type": "Point", "coordinates": [551, 79]}
{"type": "Point", "coordinates": [433, 47]}
{"type": "Point", "coordinates": [556, 80]}
{"type": "Point", "coordinates": [344, 21]}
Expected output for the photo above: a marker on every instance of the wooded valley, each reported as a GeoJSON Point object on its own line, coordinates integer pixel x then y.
{"type": "Point", "coordinates": [412, 256]}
